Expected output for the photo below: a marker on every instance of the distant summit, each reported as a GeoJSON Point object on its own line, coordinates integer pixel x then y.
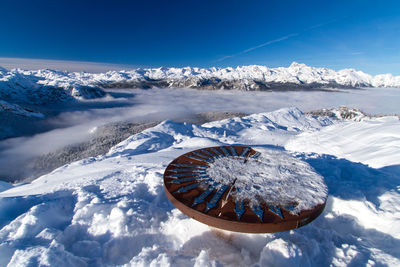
{"type": "Point", "coordinates": [51, 86]}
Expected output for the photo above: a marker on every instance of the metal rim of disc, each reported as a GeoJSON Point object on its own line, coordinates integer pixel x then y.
{"type": "Point", "coordinates": [185, 184]}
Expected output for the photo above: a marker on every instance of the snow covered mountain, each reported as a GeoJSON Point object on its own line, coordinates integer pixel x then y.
{"type": "Point", "coordinates": [18, 110]}
{"type": "Point", "coordinates": [46, 85]}
{"type": "Point", "coordinates": [111, 209]}
{"type": "Point", "coordinates": [43, 86]}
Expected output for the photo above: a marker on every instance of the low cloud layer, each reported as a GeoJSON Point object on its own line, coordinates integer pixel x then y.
{"type": "Point", "coordinates": [76, 123]}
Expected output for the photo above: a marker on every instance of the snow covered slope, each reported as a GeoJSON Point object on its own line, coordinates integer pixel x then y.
{"type": "Point", "coordinates": [111, 209]}
{"type": "Point", "coordinates": [18, 110]}
{"type": "Point", "coordinates": [355, 141]}
{"type": "Point", "coordinates": [43, 86]}
{"type": "Point", "coordinates": [50, 85]}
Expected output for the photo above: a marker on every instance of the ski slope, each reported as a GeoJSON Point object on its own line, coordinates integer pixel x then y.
{"type": "Point", "coordinates": [112, 210]}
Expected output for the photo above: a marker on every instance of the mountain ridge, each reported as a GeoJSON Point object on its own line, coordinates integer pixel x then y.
{"type": "Point", "coordinates": [47, 85]}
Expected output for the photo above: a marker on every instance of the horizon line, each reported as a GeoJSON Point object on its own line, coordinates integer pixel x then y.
{"type": "Point", "coordinates": [98, 67]}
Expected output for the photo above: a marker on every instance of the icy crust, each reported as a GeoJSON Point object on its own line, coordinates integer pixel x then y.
{"type": "Point", "coordinates": [274, 178]}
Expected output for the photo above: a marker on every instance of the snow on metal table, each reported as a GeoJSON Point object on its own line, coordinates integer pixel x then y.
{"type": "Point", "coordinates": [239, 189]}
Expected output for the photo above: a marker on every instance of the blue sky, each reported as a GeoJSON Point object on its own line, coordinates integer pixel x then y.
{"type": "Point", "coordinates": [337, 34]}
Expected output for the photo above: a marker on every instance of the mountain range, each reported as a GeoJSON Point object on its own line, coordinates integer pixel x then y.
{"type": "Point", "coordinates": [46, 85]}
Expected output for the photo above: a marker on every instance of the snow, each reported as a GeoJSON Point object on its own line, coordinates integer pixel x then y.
{"type": "Point", "coordinates": [46, 85]}
{"type": "Point", "coordinates": [4, 186]}
{"type": "Point", "coordinates": [112, 210]}
{"type": "Point", "coordinates": [372, 141]}
{"type": "Point", "coordinates": [18, 110]}
{"type": "Point", "coordinates": [43, 86]}
{"type": "Point", "coordinates": [275, 178]}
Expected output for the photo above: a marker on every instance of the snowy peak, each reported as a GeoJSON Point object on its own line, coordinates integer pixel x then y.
{"type": "Point", "coordinates": [54, 85]}
{"type": "Point", "coordinates": [44, 86]}
{"type": "Point", "coordinates": [252, 77]}
{"type": "Point", "coordinates": [297, 65]}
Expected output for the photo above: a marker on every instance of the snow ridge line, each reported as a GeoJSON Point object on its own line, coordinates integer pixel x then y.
{"type": "Point", "coordinates": [20, 84]}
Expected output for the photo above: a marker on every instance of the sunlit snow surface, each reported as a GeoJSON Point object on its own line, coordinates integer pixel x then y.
{"type": "Point", "coordinates": [112, 210]}
{"type": "Point", "coordinates": [275, 178]}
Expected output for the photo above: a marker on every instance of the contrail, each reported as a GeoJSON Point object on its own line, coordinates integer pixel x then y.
{"type": "Point", "coordinates": [270, 42]}
{"type": "Point", "coordinates": [258, 46]}
{"type": "Point", "coordinates": [274, 41]}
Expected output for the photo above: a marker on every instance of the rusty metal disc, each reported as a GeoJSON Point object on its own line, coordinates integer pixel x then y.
{"type": "Point", "coordinates": [191, 189]}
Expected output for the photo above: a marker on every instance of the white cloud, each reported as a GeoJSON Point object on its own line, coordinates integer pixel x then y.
{"type": "Point", "coordinates": [76, 122]}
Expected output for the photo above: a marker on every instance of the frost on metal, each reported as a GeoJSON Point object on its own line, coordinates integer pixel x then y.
{"type": "Point", "coordinates": [240, 189]}
{"type": "Point", "coordinates": [274, 177]}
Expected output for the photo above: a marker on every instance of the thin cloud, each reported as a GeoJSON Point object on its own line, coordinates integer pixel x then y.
{"type": "Point", "coordinates": [226, 57]}
{"type": "Point", "coordinates": [270, 42]}
{"type": "Point", "coordinates": [323, 24]}
{"type": "Point", "coordinates": [275, 41]}
{"type": "Point", "coordinates": [258, 46]}
{"type": "Point", "coordinates": [356, 53]}
{"type": "Point", "coordinates": [317, 26]}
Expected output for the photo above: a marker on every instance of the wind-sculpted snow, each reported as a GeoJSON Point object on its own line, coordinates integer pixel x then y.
{"type": "Point", "coordinates": [356, 142]}
{"type": "Point", "coordinates": [46, 85]}
{"type": "Point", "coordinates": [111, 210]}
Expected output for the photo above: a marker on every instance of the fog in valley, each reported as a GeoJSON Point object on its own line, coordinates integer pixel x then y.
{"type": "Point", "coordinates": [89, 128]}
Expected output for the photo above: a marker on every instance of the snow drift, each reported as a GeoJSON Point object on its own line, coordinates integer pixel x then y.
{"type": "Point", "coordinates": [111, 209]}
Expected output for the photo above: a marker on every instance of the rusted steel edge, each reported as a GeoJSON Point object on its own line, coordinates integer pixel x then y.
{"type": "Point", "coordinates": [243, 227]}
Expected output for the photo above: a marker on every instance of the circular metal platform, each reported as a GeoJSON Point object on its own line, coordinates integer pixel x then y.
{"type": "Point", "coordinates": [197, 184]}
